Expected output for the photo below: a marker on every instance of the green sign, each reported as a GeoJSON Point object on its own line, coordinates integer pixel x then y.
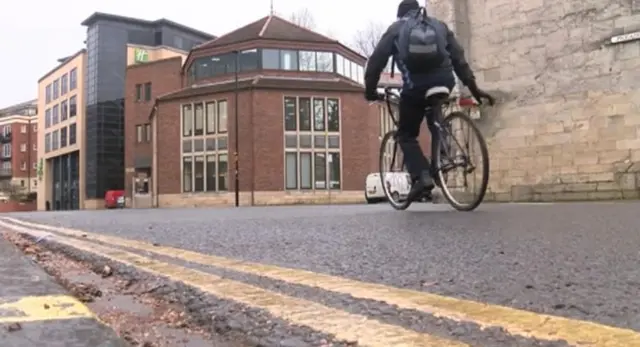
{"type": "Point", "coordinates": [140, 55]}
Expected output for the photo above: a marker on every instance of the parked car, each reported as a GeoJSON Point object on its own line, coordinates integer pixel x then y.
{"type": "Point", "coordinates": [398, 184]}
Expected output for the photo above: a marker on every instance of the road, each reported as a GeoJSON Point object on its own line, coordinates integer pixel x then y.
{"type": "Point", "coordinates": [578, 260]}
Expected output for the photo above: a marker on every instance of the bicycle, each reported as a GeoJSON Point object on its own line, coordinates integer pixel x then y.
{"type": "Point", "coordinates": [444, 158]}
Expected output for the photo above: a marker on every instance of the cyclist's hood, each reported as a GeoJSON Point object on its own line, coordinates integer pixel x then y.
{"type": "Point", "coordinates": [407, 6]}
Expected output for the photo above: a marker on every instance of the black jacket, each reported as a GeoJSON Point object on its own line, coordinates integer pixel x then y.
{"type": "Point", "coordinates": [387, 48]}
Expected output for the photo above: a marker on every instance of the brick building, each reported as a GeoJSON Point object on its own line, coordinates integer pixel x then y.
{"type": "Point", "coordinates": [18, 142]}
{"type": "Point", "coordinates": [305, 132]}
{"type": "Point", "coordinates": [568, 122]}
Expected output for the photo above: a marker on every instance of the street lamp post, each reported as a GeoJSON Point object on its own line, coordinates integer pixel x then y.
{"type": "Point", "coordinates": [236, 130]}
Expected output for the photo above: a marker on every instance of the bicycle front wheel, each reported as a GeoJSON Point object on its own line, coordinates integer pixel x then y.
{"type": "Point", "coordinates": [458, 158]}
{"type": "Point", "coordinates": [395, 180]}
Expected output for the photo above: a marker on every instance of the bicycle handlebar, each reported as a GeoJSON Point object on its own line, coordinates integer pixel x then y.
{"type": "Point", "coordinates": [387, 93]}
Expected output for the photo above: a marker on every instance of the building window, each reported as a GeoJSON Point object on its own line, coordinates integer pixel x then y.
{"type": "Point", "coordinates": [35, 147]}
{"type": "Point", "coordinates": [64, 111]}
{"type": "Point", "coordinates": [73, 79]}
{"type": "Point", "coordinates": [249, 60]}
{"type": "Point", "coordinates": [23, 167]}
{"type": "Point", "coordinates": [138, 92]}
{"type": "Point", "coordinates": [316, 61]}
{"type": "Point", "coordinates": [47, 143]}
{"type": "Point", "coordinates": [72, 134]}
{"type": "Point", "coordinates": [147, 132]}
{"type": "Point", "coordinates": [312, 153]}
{"type": "Point", "coordinates": [63, 137]}
{"type": "Point", "coordinates": [205, 147]}
{"type": "Point", "coordinates": [47, 93]}
{"type": "Point", "coordinates": [199, 119]}
{"type": "Point", "coordinates": [47, 118]}
{"type": "Point", "coordinates": [6, 130]}
{"type": "Point", "coordinates": [139, 134]}
{"type": "Point", "coordinates": [147, 91]}
{"type": "Point", "coordinates": [64, 84]}
{"type": "Point", "coordinates": [349, 69]}
{"type": "Point", "coordinates": [23, 147]}
{"type": "Point", "coordinates": [55, 140]}
{"type": "Point", "coordinates": [35, 166]}
{"type": "Point", "coordinates": [6, 150]}
{"type": "Point", "coordinates": [35, 128]}
{"type": "Point", "coordinates": [23, 129]}
{"type": "Point", "coordinates": [73, 107]}
{"type": "Point", "coordinates": [187, 120]}
{"type": "Point", "coordinates": [56, 89]}
{"type": "Point", "coordinates": [55, 115]}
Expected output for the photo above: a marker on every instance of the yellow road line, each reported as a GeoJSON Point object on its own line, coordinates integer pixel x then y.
{"type": "Point", "coordinates": [514, 321]}
{"type": "Point", "coordinates": [42, 308]}
{"type": "Point", "coordinates": [343, 325]}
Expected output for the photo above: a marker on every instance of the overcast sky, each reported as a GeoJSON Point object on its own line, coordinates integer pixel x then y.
{"type": "Point", "coordinates": [34, 33]}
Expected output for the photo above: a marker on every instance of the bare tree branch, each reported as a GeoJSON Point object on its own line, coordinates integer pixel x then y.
{"type": "Point", "coordinates": [303, 18]}
{"type": "Point", "coordinates": [365, 40]}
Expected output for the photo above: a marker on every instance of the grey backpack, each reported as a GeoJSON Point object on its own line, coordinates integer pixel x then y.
{"type": "Point", "coordinates": [422, 46]}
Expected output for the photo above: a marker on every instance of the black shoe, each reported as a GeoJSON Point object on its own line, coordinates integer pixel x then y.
{"type": "Point", "coordinates": [419, 186]}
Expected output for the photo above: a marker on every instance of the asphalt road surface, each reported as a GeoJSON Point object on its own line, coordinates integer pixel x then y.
{"type": "Point", "coordinates": [577, 260]}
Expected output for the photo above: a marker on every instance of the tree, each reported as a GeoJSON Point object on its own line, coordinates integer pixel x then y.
{"type": "Point", "coordinates": [365, 41]}
{"type": "Point", "coordinates": [304, 18]}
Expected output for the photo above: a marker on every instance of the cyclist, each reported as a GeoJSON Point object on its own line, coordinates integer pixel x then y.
{"type": "Point", "coordinates": [421, 70]}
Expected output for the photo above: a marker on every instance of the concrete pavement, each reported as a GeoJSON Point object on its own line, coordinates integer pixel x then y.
{"type": "Point", "coordinates": [35, 311]}
{"type": "Point", "coordinates": [536, 274]}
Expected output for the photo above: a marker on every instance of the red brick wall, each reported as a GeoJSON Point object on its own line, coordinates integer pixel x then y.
{"type": "Point", "coordinates": [14, 206]}
{"type": "Point", "coordinates": [164, 76]}
{"type": "Point", "coordinates": [17, 156]}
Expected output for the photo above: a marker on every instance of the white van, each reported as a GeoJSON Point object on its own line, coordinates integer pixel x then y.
{"type": "Point", "coordinates": [398, 183]}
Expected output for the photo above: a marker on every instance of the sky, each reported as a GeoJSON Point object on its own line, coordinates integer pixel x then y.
{"type": "Point", "coordinates": [50, 30]}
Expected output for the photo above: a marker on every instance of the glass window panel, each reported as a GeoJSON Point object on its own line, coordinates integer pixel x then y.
{"type": "Point", "coordinates": [290, 123]}
{"type": "Point", "coordinates": [354, 71]}
{"type": "Point", "coordinates": [289, 60]}
{"type": "Point", "coordinates": [324, 61]}
{"type": "Point", "coordinates": [305, 171]}
{"type": "Point", "coordinates": [187, 167]}
{"type": "Point", "coordinates": [223, 168]}
{"type": "Point", "coordinates": [211, 117]}
{"type": "Point", "coordinates": [211, 144]}
{"type": "Point", "coordinates": [187, 146]}
{"type": "Point", "coordinates": [249, 60]}
{"type": "Point", "coordinates": [304, 113]}
{"type": "Point", "coordinates": [333, 115]}
{"type": "Point", "coordinates": [305, 141]}
{"type": "Point", "coordinates": [199, 122]}
{"type": "Point", "coordinates": [198, 145]}
{"type": "Point", "coordinates": [211, 173]}
{"type": "Point", "coordinates": [223, 117]}
{"type": "Point", "coordinates": [291, 141]}
{"type": "Point", "coordinates": [318, 115]}
{"type": "Point", "coordinates": [319, 141]}
{"type": "Point", "coordinates": [307, 61]}
{"type": "Point", "coordinates": [270, 59]}
{"type": "Point", "coordinates": [339, 64]}
{"type": "Point", "coordinates": [291, 159]}
{"type": "Point", "coordinates": [346, 68]}
{"type": "Point", "coordinates": [334, 141]}
{"type": "Point", "coordinates": [334, 170]}
{"type": "Point", "coordinates": [198, 169]}
{"type": "Point", "coordinates": [222, 143]}
{"type": "Point", "coordinates": [320, 170]}
{"type": "Point", "coordinates": [187, 121]}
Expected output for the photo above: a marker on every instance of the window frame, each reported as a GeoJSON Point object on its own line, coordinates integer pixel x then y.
{"type": "Point", "coordinates": [298, 151]}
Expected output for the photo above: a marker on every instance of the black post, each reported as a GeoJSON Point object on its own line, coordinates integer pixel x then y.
{"type": "Point", "coordinates": [236, 131]}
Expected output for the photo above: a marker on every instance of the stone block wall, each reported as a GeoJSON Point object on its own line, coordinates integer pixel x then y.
{"type": "Point", "coordinates": [568, 123]}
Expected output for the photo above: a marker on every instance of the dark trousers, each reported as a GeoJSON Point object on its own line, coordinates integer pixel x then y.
{"type": "Point", "coordinates": [413, 109]}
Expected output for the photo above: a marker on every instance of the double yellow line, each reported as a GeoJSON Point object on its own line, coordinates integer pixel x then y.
{"type": "Point", "coordinates": [343, 325]}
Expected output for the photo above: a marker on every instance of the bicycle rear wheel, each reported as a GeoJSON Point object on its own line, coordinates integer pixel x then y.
{"type": "Point", "coordinates": [395, 180]}
{"type": "Point", "coordinates": [455, 156]}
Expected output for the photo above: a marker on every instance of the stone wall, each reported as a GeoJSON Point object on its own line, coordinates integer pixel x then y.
{"type": "Point", "coordinates": [568, 123]}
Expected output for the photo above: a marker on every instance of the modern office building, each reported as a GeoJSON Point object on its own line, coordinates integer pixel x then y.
{"type": "Point", "coordinates": [18, 153]}
{"type": "Point", "coordinates": [94, 163]}
{"type": "Point", "coordinates": [304, 131]}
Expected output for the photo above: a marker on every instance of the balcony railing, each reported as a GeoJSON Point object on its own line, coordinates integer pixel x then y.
{"type": "Point", "coordinates": [6, 172]}
{"type": "Point", "coordinates": [5, 138]}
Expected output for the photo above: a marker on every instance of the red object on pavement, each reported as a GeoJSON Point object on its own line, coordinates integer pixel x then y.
{"type": "Point", "coordinates": [111, 198]}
